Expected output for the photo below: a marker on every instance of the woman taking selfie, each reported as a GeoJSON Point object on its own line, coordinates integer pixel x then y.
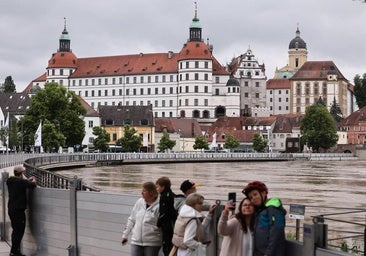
{"type": "Point", "coordinates": [238, 231]}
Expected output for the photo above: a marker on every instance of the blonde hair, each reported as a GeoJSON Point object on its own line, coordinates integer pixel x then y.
{"type": "Point", "coordinates": [194, 199]}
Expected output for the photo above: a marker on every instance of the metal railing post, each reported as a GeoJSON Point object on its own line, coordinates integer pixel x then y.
{"type": "Point", "coordinates": [75, 185]}
{"type": "Point", "coordinates": [4, 177]}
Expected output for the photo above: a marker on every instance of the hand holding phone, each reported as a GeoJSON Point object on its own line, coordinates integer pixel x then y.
{"type": "Point", "coordinates": [232, 201]}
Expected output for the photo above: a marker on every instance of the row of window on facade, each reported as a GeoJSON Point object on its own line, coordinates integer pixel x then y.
{"type": "Point", "coordinates": [248, 74]}
{"type": "Point", "coordinates": [315, 99]}
{"type": "Point", "coordinates": [163, 103]}
{"type": "Point", "coordinates": [278, 99]}
{"type": "Point", "coordinates": [196, 64]}
{"type": "Point", "coordinates": [307, 89]}
{"type": "Point", "coordinates": [157, 91]}
{"type": "Point", "coordinates": [279, 92]}
{"type": "Point", "coordinates": [113, 80]}
{"type": "Point", "coordinates": [128, 122]}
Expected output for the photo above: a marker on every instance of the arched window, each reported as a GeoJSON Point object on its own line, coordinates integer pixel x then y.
{"type": "Point", "coordinates": [196, 114]}
{"type": "Point", "coordinates": [206, 114]}
{"type": "Point", "coordinates": [182, 113]}
{"type": "Point", "coordinates": [220, 111]}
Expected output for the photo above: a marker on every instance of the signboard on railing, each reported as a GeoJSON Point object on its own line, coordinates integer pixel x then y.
{"type": "Point", "coordinates": [297, 211]}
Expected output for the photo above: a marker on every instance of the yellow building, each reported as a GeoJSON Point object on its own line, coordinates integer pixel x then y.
{"type": "Point", "coordinates": [114, 119]}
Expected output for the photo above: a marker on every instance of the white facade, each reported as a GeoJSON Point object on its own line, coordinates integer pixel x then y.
{"type": "Point", "coordinates": [252, 80]}
{"type": "Point", "coordinates": [278, 101]}
{"type": "Point", "coordinates": [189, 83]}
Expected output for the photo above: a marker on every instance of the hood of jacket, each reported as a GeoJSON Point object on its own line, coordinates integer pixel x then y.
{"type": "Point", "coordinates": [188, 211]}
{"type": "Point", "coordinates": [275, 202]}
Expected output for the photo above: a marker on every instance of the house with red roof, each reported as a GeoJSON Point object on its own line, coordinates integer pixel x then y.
{"type": "Point", "coordinates": [190, 83]}
{"type": "Point", "coordinates": [355, 127]}
{"type": "Point", "coordinates": [323, 79]}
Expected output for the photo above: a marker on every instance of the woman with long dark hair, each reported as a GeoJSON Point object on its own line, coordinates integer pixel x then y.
{"type": "Point", "coordinates": [237, 230]}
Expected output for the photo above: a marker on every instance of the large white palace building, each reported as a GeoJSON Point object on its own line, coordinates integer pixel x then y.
{"type": "Point", "coordinates": [190, 83]}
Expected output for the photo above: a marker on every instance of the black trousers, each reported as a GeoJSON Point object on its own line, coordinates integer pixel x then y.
{"type": "Point", "coordinates": [17, 219]}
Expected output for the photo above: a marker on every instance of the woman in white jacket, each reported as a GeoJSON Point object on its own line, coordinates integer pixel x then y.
{"type": "Point", "coordinates": [146, 236]}
{"type": "Point", "coordinates": [189, 230]}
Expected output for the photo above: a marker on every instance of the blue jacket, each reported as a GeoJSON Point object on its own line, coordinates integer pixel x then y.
{"type": "Point", "coordinates": [269, 229]}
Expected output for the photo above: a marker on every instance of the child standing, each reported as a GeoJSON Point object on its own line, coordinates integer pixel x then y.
{"type": "Point", "coordinates": [167, 213]}
{"type": "Point", "coordinates": [269, 223]}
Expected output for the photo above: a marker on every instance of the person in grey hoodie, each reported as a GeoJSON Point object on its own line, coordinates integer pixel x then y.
{"type": "Point", "coordinates": [269, 222]}
{"type": "Point", "coordinates": [191, 225]}
{"type": "Point", "coordinates": [146, 236]}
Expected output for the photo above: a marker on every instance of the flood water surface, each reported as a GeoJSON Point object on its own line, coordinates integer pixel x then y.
{"type": "Point", "coordinates": [333, 183]}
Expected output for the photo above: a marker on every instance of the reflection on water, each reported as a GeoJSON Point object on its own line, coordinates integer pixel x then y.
{"type": "Point", "coordinates": [337, 183]}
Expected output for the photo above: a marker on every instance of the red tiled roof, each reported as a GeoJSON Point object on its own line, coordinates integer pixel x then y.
{"type": "Point", "coordinates": [241, 135]}
{"type": "Point", "coordinates": [259, 121]}
{"type": "Point", "coordinates": [355, 118]}
{"type": "Point", "coordinates": [63, 60]}
{"type": "Point", "coordinates": [316, 70]}
{"type": "Point", "coordinates": [286, 123]}
{"type": "Point", "coordinates": [142, 63]}
{"type": "Point", "coordinates": [89, 110]}
{"type": "Point", "coordinates": [41, 78]}
{"type": "Point", "coordinates": [282, 83]}
{"type": "Point", "coordinates": [200, 50]}
{"type": "Point", "coordinates": [188, 127]}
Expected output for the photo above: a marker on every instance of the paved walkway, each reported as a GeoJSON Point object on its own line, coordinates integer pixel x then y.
{"type": "Point", "coordinates": [4, 248]}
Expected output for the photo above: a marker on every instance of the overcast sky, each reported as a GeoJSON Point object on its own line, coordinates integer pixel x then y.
{"type": "Point", "coordinates": [29, 31]}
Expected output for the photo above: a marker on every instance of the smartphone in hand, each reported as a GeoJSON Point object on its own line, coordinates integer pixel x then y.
{"type": "Point", "coordinates": [232, 200]}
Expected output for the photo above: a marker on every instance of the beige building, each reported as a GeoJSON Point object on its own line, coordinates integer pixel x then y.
{"type": "Point", "coordinates": [323, 79]}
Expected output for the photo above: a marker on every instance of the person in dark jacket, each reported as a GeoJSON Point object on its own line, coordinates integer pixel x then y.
{"type": "Point", "coordinates": [17, 188]}
{"type": "Point", "coordinates": [269, 223]}
{"type": "Point", "coordinates": [167, 213]}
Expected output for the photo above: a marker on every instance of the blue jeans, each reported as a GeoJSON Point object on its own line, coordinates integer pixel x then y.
{"type": "Point", "coordinates": [137, 250]}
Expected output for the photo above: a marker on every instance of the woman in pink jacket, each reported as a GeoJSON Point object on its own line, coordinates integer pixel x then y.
{"type": "Point", "coordinates": [238, 230]}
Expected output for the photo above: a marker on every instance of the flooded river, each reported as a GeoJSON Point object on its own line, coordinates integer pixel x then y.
{"type": "Point", "coordinates": [334, 183]}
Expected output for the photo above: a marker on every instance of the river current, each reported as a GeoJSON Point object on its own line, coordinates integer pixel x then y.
{"type": "Point", "coordinates": [324, 183]}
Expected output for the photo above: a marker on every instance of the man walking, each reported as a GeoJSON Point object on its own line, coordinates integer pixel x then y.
{"type": "Point", "coordinates": [17, 187]}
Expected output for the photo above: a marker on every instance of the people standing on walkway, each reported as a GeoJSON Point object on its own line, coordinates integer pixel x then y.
{"type": "Point", "coordinates": [191, 226]}
{"type": "Point", "coordinates": [187, 187]}
{"type": "Point", "coordinates": [146, 236]}
{"type": "Point", "coordinates": [167, 212]}
{"type": "Point", "coordinates": [269, 223]}
{"type": "Point", "coordinates": [237, 231]}
{"type": "Point", "coordinates": [17, 204]}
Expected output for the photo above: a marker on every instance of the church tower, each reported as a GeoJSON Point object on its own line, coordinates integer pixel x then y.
{"type": "Point", "coordinates": [298, 53]}
{"type": "Point", "coordinates": [64, 40]}
{"type": "Point", "coordinates": [195, 30]}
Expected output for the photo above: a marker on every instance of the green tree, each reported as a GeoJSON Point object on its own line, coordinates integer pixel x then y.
{"type": "Point", "coordinates": [231, 141]}
{"type": "Point", "coordinates": [165, 142]}
{"type": "Point", "coordinates": [51, 138]}
{"type": "Point", "coordinates": [360, 90]}
{"type": "Point", "coordinates": [200, 143]}
{"type": "Point", "coordinates": [130, 142]}
{"type": "Point", "coordinates": [8, 86]}
{"type": "Point", "coordinates": [259, 143]}
{"type": "Point", "coordinates": [317, 128]}
{"type": "Point", "coordinates": [336, 111]}
{"type": "Point", "coordinates": [61, 108]}
{"type": "Point", "coordinates": [102, 139]}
